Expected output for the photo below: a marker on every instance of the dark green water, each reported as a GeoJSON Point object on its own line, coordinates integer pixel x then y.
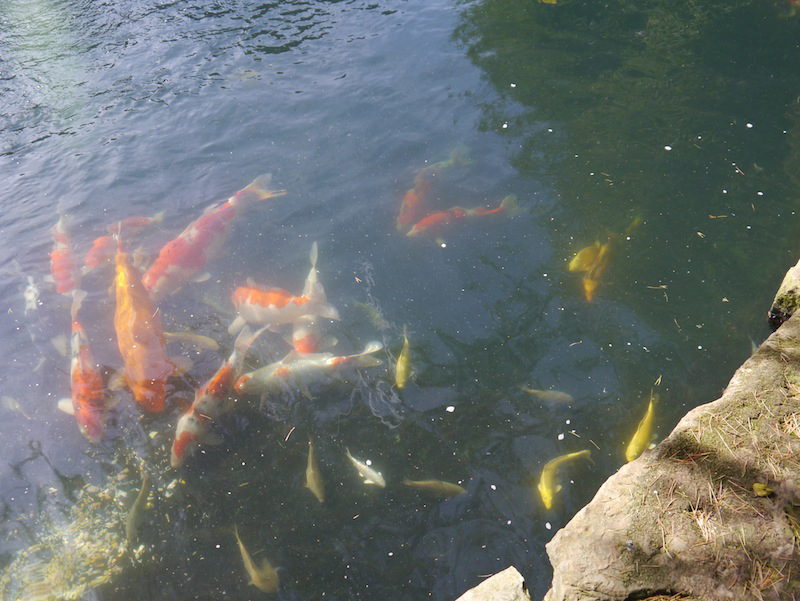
{"type": "Point", "coordinates": [683, 114]}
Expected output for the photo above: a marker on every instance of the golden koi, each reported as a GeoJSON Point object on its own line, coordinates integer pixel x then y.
{"type": "Point", "coordinates": [641, 439]}
{"type": "Point", "coordinates": [314, 481]}
{"type": "Point", "coordinates": [547, 484]}
{"type": "Point", "coordinates": [140, 337]}
{"type": "Point", "coordinates": [549, 396]}
{"type": "Point", "coordinates": [370, 475]}
{"type": "Point", "coordinates": [436, 487]}
{"type": "Point", "coordinates": [402, 370]}
{"type": "Point", "coordinates": [197, 340]}
{"type": "Point", "coordinates": [136, 512]}
{"type": "Point", "coordinates": [263, 576]}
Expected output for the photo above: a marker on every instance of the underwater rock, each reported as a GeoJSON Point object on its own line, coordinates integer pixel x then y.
{"type": "Point", "coordinates": [683, 520]}
{"type": "Point", "coordinates": [508, 585]}
{"type": "Point", "coordinates": [787, 300]}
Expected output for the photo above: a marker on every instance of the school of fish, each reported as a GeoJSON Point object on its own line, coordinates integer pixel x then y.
{"type": "Point", "coordinates": [145, 368]}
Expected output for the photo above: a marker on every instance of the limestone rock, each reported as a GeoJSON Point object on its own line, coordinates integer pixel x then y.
{"type": "Point", "coordinates": [508, 585]}
{"type": "Point", "coordinates": [787, 300]}
{"type": "Point", "coordinates": [683, 519]}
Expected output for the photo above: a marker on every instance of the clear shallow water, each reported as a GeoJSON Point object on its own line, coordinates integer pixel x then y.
{"type": "Point", "coordinates": [132, 108]}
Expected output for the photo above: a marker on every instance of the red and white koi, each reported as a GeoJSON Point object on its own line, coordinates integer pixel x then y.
{"type": "Point", "coordinates": [296, 372]}
{"type": "Point", "coordinates": [63, 265]}
{"type": "Point", "coordinates": [274, 306]}
{"type": "Point", "coordinates": [435, 223]}
{"type": "Point", "coordinates": [210, 402]}
{"type": "Point", "coordinates": [88, 403]}
{"type": "Point", "coordinates": [140, 337]}
{"type": "Point", "coordinates": [184, 258]}
{"type": "Point", "coordinates": [104, 248]}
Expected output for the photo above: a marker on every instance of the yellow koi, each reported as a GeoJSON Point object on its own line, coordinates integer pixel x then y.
{"type": "Point", "coordinates": [547, 484]}
{"type": "Point", "coordinates": [136, 513]}
{"type": "Point", "coordinates": [549, 396]}
{"type": "Point", "coordinates": [198, 340]}
{"type": "Point", "coordinates": [641, 439]}
{"type": "Point", "coordinates": [402, 370]}
{"type": "Point", "coordinates": [436, 487]}
{"type": "Point", "coordinates": [314, 481]}
{"type": "Point", "coordinates": [264, 577]}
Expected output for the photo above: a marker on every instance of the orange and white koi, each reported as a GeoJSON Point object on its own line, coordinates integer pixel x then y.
{"type": "Point", "coordinates": [63, 265]}
{"type": "Point", "coordinates": [274, 306]}
{"type": "Point", "coordinates": [435, 223]}
{"type": "Point", "coordinates": [104, 248]}
{"type": "Point", "coordinates": [140, 337]}
{"type": "Point", "coordinates": [297, 372]}
{"type": "Point", "coordinates": [412, 207]}
{"type": "Point", "coordinates": [210, 402]}
{"type": "Point", "coordinates": [88, 403]}
{"type": "Point", "coordinates": [184, 258]}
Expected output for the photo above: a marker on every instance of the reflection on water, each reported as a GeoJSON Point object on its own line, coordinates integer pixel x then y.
{"type": "Point", "coordinates": [590, 116]}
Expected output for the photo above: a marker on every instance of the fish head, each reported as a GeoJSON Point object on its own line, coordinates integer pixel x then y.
{"type": "Point", "coordinates": [547, 496]}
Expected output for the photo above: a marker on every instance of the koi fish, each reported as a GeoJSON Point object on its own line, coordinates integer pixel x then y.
{"type": "Point", "coordinates": [437, 487]}
{"type": "Point", "coordinates": [88, 402]}
{"type": "Point", "coordinates": [63, 266]}
{"type": "Point", "coordinates": [263, 576]}
{"type": "Point", "coordinates": [298, 371]}
{"type": "Point", "coordinates": [370, 475]}
{"type": "Point", "coordinates": [273, 306]}
{"type": "Point", "coordinates": [103, 248]}
{"type": "Point", "coordinates": [210, 402]}
{"type": "Point", "coordinates": [196, 340]}
{"type": "Point", "coordinates": [314, 481]}
{"type": "Point", "coordinates": [184, 258]}
{"type": "Point", "coordinates": [549, 396]}
{"type": "Point", "coordinates": [411, 209]}
{"type": "Point", "coordinates": [140, 337]}
{"type": "Point", "coordinates": [641, 439]}
{"type": "Point", "coordinates": [593, 261]}
{"type": "Point", "coordinates": [403, 368]}
{"type": "Point", "coordinates": [547, 484]}
{"type": "Point", "coordinates": [306, 336]}
{"type": "Point", "coordinates": [136, 512]}
{"type": "Point", "coordinates": [434, 224]}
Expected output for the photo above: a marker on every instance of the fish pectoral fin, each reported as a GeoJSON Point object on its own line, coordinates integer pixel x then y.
{"type": "Point", "coordinates": [182, 365]}
{"type": "Point", "coordinates": [368, 481]}
{"type": "Point", "coordinates": [237, 325]}
{"type": "Point", "coordinates": [66, 406]}
{"type": "Point", "coordinates": [557, 488]}
{"type": "Point", "coordinates": [60, 344]}
{"type": "Point", "coordinates": [201, 277]}
{"type": "Point", "coordinates": [117, 381]}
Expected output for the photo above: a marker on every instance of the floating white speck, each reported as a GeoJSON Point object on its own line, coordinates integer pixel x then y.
{"type": "Point", "coordinates": [548, 526]}
{"type": "Point", "coordinates": [368, 462]}
{"type": "Point", "coordinates": [760, 193]}
{"type": "Point", "coordinates": [667, 147]}
{"type": "Point", "coordinates": [550, 130]}
{"type": "Point", "coordinates": [444, 245]}
{"type": "Point", "coordinates": [724, 191]}
{"type": "Point", "coordinates": [450, 409]}
{"type": "Point", "coordinates": [217, 546]}
{"type": "Point", "coordinates": [568, 421]}
{"type": "Point", "coordinates": [391, 553]}
{"type": "Point", "coordinates": [561, 436]}
{"type": "Point", "coordinates": [493, 487]}
{"type": "Point", "coordinates": [749, 126]}
{"type": "Point", "coordinates": [699, 347]}
{"type": "Point", "coordinates": [505, 125]}
{"type": "Point", "coordinates": [513, 85]}
{"type": "Point", "coordinates": [508, 522]}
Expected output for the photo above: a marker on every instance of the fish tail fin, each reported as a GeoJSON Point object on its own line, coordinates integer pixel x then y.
{"type": "Point", "coordinates": [244, 340]}
{"type": "Point", "coordinates": [510, 206]}
{"type": "Point", "coordinates": [459, 156]}
{"type": "Point", "coordinates": [311, 279]}
{"type": "Point", "coordinates": [313, 255]}
{"type": "Point", "coordinates": [365, 358]}
{"type": "Point", "coordinates": [259, 189]}
{"type": "Point", "coordinates": [77, 299]}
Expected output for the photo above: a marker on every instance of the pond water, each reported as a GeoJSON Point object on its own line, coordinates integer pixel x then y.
{"type": "Point", "coordinates": [681, 118]}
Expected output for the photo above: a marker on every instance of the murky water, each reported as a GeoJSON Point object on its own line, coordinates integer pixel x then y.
{"type": "Point", "coordinates": [592, 115]}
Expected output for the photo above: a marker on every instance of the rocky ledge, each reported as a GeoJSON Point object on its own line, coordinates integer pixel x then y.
{"type": "Point", "coordinates": [713, 511]}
